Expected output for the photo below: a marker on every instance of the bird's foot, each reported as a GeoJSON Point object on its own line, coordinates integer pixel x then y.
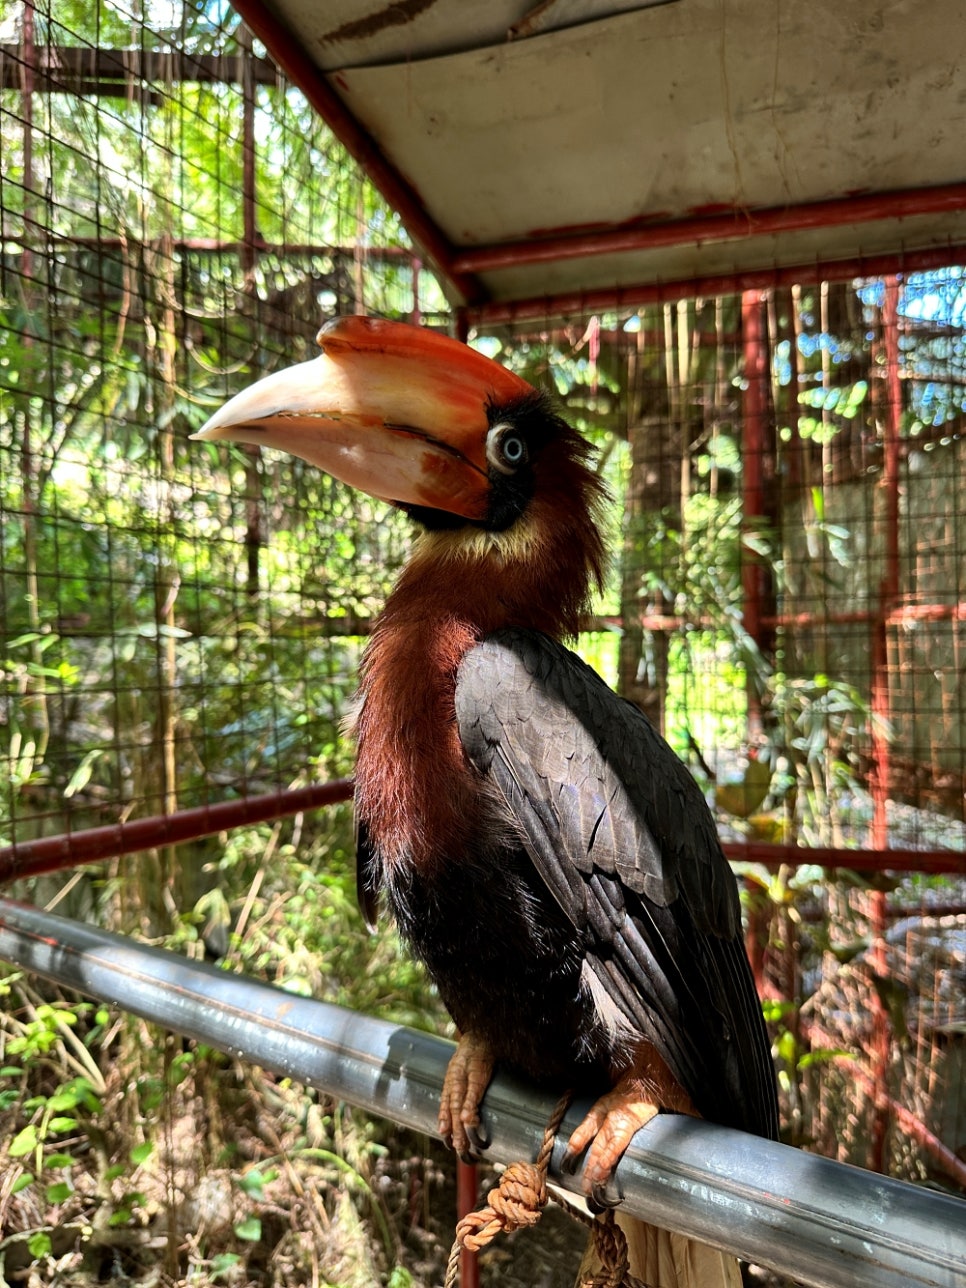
{"type": "Point", "coordinates": [607, 1130]}
{"type": "Point", "coordinates": [467, 1078]}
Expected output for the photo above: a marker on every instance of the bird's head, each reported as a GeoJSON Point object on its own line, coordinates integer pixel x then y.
{"type": "Point", "coordinates": [466, 447]}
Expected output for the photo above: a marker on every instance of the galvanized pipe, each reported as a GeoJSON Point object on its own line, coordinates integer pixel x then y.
{"type": "Point", "coordinates": [821, 1222]}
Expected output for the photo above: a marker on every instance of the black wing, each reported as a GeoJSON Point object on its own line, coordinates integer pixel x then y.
{"type": "Point", "coordinates": [623, 838]}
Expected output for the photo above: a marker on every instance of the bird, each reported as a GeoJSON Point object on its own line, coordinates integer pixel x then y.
{"type": "Point", "coordinates": [536, 841]}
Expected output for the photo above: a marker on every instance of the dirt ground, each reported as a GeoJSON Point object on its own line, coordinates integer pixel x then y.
{"type": "Point", "coordinates": [340, 1202]}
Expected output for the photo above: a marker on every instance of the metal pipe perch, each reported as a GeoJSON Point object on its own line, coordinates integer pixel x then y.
{"type": "Point", "coordinates": [824, 1223]}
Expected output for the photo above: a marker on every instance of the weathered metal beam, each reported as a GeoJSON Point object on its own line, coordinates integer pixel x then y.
{"type": "Point", "coordinates": [724, 226]}
{"type": "Point", "coordinates": [821, 1222]}
{"type": "Point", "coordinates": [113, 73]}
{"type": "Point", "coordinates": [51, 853]}
{"type": "Point", "coordinates": [91, 845]}
{"type": "Point", "coordinates": [582, 303]}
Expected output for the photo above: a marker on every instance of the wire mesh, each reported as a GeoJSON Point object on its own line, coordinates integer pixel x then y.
{"type": "Point", "coordinates": [791, 602]}
{"type": "Point", "coordinates": [175, 221]}
{"type": "Point", "coordinates": [180, 625]}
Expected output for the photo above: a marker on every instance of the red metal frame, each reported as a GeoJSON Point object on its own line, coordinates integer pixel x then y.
{"type": "Point", "coordinates": [218, 246]}
{"type": "Point", "coordinates": [726, 226]}
{"type": "Point", "coordinates": [462, 266]}
{"type": "Point", "coordinates": [615, 298]}
{"type": "Point", "coordinates": [292, 57]}
{"type": "Point", "coordinates": [773, 854]}
{"type": "Point", "coordinates": [51, 853]}
{"type": "Point", "coordinates": [467, 1185]}
{"type": "Point", "coordinates": [881, 706]}
{"type": "Point", "coordinates": [755, 418]}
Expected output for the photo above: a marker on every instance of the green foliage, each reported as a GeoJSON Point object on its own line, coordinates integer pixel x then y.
{"type": "Point", "coordinates": [844, 401]}
{"type": "Point", "coordinates": [305, 932]}
{"type": "Point", "coordinates": [48, 1119]}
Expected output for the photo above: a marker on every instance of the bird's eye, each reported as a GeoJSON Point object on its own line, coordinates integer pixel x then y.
{"type": "Point", "coordinates": [506, 448]}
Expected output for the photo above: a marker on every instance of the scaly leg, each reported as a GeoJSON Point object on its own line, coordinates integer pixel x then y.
{"type": "Point", "coordinates": [467, 1078]}
{"type": "Point", "coordinates": [616, 1117]}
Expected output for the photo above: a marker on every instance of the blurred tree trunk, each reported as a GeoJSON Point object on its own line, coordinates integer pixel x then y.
{"type": "Point", "coordinates": [652, 508]}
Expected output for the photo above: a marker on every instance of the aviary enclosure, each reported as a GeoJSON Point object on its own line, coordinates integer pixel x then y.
{"type": "Point", "coordinates": [181, 627]}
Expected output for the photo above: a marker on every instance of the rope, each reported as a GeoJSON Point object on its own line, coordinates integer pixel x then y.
{"type": "Point", "coordinates": [610, 1244]}
{"type": "Point", "coordinates": [519, 1200]}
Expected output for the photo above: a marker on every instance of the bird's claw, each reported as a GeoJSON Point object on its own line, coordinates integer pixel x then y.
{"type": "Point", "coordinates": [605, 1133]}
{"type": "Point", "coordinates": [478, 1136]}
{"type": "Point", "coordinates": [467, 1078]}
{"type": "Point", "coordinates": [477, 1139]}
{"type": "Point", "coordinates": [598, 1200]}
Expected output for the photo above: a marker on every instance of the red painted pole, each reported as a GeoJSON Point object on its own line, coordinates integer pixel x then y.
{"type": "Point", "coordinates": [466, 1191]}
{"type": "Point", "coordinates": [898, 204]}
{"type": "Point", "coordinates": [754, 444]}
{"type": "Point", "coordinates": [49, 853]}
{"type": "Point", "coordinates": [881, 706]}
{"type": "Point", "coordinates": [773, 855]}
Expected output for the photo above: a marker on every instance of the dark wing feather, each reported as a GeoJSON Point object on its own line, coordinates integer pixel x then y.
{"type": "Point", "coordinates": [368, 875]}
{"type": "Point", "coordinates": [620, 833]}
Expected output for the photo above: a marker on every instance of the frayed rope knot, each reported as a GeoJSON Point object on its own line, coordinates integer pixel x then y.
{"type": "Point", "coordinates": [516, 1202]}
{"type": "Point", "coordinates": [519, 1200]}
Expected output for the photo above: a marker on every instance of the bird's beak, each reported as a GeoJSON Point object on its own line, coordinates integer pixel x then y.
{"type": "Point", "coordinates": [397, 411]}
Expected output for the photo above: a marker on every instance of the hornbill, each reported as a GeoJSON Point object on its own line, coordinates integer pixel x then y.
{"type": "Point", "coordinates": [538, 844]}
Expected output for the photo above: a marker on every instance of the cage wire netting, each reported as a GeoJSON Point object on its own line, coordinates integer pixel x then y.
{"type": "Point", "coordinates": [791, 605]}
{"type": "Point", "coordinates": [182, 625]}
{"type": "Point", "coordinates": [175, 221]}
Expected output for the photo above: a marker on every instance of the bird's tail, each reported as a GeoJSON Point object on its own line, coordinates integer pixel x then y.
{"type": "Point", "coordinates": [659, 1259]}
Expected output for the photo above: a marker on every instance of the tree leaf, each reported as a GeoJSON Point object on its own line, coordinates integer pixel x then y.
{"type": "Point", "coordinates": [141, 1153]}
{"type": "Point", "coordinates": [23, 1142]}
{"type": "Point", "coordinates": [250, 1229]}
{"type": "Point", "coordinates": [55, 1161]}
{"type": "Point", "coordinates": [62, 1122]}
{"type": "Point", "coordinates": [39, 1244]}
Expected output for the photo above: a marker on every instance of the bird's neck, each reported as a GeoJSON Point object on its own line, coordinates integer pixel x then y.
{"type": "Point", "coordinates": [414, 787]}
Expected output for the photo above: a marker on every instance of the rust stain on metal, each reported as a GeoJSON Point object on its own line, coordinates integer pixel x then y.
{"type": "Point", "coordinates": [393, 15]}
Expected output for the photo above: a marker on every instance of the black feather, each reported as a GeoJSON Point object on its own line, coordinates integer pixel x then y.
{"type": "Point", "coordinates": [619, 834]}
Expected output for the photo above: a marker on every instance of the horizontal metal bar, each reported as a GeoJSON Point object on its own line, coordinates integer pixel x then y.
{"type": "Point", "coordinates": [821, 1222]}
{"type": "Point", "coordinates": [709, 228]}
{"type": "Point", "coordinates": [49, 853]}
{"type": "Point", "coordinates": [59, 68]}
{"type": "Point", "coordinates": [632, 295]}
{"type": "Point", "coordinates": [774, 854]}
{"type": "Point", "coordinates": [217, 246]}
